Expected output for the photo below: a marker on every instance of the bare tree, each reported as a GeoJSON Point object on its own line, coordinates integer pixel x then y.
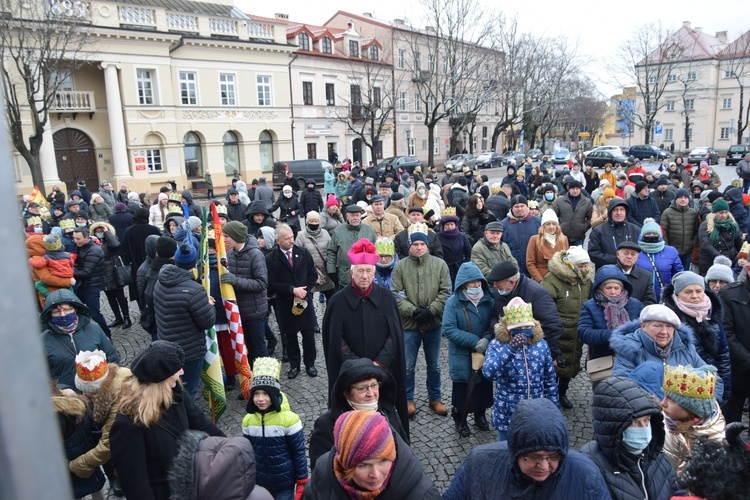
{"type": "Point", "coordinates": [41, 45]}
{"type": "Point", "coordinates": [735, 60]}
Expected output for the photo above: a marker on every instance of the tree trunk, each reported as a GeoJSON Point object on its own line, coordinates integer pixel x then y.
{"type": "Point", "coordinates": [687, 131]}
{"type": "Point", "coordinates": [430, 145]}
{"type": "Point", "coordinates": [740, 127]}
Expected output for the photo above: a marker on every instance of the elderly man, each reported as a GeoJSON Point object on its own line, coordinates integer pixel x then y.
{"type": "Point", "coordinates": [342, 239]}
{"type": "Point", "coordinates": [574, 212]}
{"type": "Point", "coordinates": [605, 238]}
{"type": "Point", "coordinates": [517, 229]}
{"type": "Point", "coordinates": [422, 284]}
{"type": "Point", "coordinates": [489, 251]}
{"type": "Point", "coordinates": [363, 321]}
{"type": "Point", "coordinates": [384, 224]}
{"type": "Point", "coordinates": [510, 283]}
{"type": "Point", "coordinates": [401, 241]}
{"type": "Point", "coordinates": [397, 207]}
{"type": "Point", "coordinates": [535, 462]}
{"type": "Point", "coordinates": [639, 278]}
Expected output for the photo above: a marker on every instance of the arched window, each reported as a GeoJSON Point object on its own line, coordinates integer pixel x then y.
{"type": "Point", "coordinates": [304, 41]}
{"type": "Point", "coordinates": [374, 53]}
{"type": "Point", "coordinates": [193, 155]}
{"type": "Point", "coordinates": [231, 153]}
{"type": "Point", "coordinates": [266, 151]}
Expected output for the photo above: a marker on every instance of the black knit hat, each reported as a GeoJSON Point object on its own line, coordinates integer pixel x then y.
{"type": "Point", "coordinates": [166, 247]}
{"type": "Point", "coordinates": [503, 270]}
{"type": "Point", "coordinates": [157, 362]}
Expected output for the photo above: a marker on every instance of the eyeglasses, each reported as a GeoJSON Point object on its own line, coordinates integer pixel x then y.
{"type": "Point", "coordinates": [361, 389]}
{"type": "Point", "coordinates": [63, 310]}
{"type": "Point", "coordinates": [537, 459]}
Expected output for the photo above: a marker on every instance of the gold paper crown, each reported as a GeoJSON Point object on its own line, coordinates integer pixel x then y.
{"type": "Point", "coordinates": [221, 209]}
{"type": "Point", "coordinates": [516, 315]}
{"type": "Point", "coordinates": [174, 196]}
{"type": "Point", "coordinates": [449, 211]}
{"type": "Point", "coordinates": [419, 227]}
{"type": "Point", "coordinates": [34, 221]}
{"type": "Point", "coordinates": [174, 209]}
{"type": "Point", "coordinates": [67, 224]}
{"type": "Point", "coordinates": [268, 367]}
{"type": "Point", "coordinates": [684, 381]}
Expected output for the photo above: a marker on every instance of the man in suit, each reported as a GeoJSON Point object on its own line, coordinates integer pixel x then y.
{"type": "Point", "coordinates": [291, 278]}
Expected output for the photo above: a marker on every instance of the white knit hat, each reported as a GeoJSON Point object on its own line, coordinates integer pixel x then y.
{"type": "Point", "coordinates": [660, 312]}
{"type": "Point", "coordinates": [577, 255]}
{"type": "Point", "coordinates": [549, 215]}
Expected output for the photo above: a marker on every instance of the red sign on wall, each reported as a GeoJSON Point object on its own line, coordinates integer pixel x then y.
{"type": "Point", "coordinates": [140, 160]}
{"type": "Point", "coordinates": [140, 166]}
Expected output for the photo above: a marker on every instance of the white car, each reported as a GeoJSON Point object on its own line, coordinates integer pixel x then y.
{"type": "Point", "coordinates": [611, 149]}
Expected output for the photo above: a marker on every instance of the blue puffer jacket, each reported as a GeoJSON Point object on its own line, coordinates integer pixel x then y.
{"type": "Point", "coordinates": [517, 233]}
{"type": "Point", "coordinates": [279, 445]}
{"type": "Point", "coordinates": [491, 470]}
{"type": "Point", "coordinates": [632, 347]}
{"type": "Point", "coordinates": [668, 264]}
{"type": "Point", "coordinates": [592, 325]}
{"type": "Point", "coordinates": [526, 373]}
{"type": "Point", "coordinates": [462, 337]}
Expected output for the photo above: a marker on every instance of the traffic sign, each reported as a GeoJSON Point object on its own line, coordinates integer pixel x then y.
{"type": "Point", "coordinates": [624, 135]}
{"type": "Point", "coordinates": [658, 129]}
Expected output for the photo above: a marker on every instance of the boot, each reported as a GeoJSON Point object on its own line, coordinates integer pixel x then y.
{"type": "Point", "coordinates": [481, 421]}
{"type": "Point", "coordinates": [461, 427]}
{"type": "Point", "coordinates": [127, 323]}
{"type": "Point", "coordinates": [117, 322]}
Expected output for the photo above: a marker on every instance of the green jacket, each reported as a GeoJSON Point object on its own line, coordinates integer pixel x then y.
{"type": "Point", "coordinates": [486, 256]}
{"type": "Point", "coordinates": [680, 228]}
{"type": "Point", "coordinates": [342, 239]}
{"type": "Point", "coordinates": [569, 294]}
{"type": "Point", "coordinates": [421, 282]}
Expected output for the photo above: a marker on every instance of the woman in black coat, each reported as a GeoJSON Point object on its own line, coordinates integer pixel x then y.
{"type": "Point", "coordinates": [476, 217]}
{"type": "Point", "coordinates": [154, 412]}
{"type": "Point", "coordinates": [289, 207]}
{"type": "Point", "coordinates": [105, 232]}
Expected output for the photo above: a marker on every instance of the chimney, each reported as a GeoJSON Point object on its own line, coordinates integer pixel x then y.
{"type": "Point", "coordinates": [721, 36]}
{"type": "Point", "coordinates": [698, 30]}
{"type": "Point", "coordinates": [398, 22]}
{"type": "Point", "coordinates": [367, 14]}
{"type": "Point", "coordinates": [686, 24]}
{"type": "Point", "coordinates": [279, 15]}
{"type": "Point", "coordinates": [350, 26]}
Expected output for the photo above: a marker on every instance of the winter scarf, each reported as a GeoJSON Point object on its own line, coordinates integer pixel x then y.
{"type": "Point", "coordinates": [312, 233]}
{"type": "Point", "coordinates": [651, 247]}
{"type": "Point", "coordinates": [514, 219]}
{"type": "Point", "coordinates": [614, 308]}
{"type": "Point", "coordinates": [452, 234]}
{"type": "Point", "coordinates": [551, 239]}
{"type": "Point", "coordinates": [700, 312]}
{"type": "Point", "coordinates": [474, 299]}
{"type": "Point", "coordinates": [723, 225]}
{"type": "Point", "coordinates": [359, 292]}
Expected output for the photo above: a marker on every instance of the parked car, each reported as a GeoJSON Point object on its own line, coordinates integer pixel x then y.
{"type": "Point", "coordinates": [489, 160]}
{"type": "Point", "coordinates": [518, 156]}
{"type": "Point", "coordinates": [302, 170]}
{"type": "Point", "coordinates": [625, 150]}
{"type": "Point", "coordinates": [561, 155]}
{"type": "Point", "coordinates": [408, 163]}
{"type": "Point", "coordinates": [462, 160]}
{"type": "Point", "coordinates": [601, 158]}
{"type": "Point", "coordinates": [615, 149]}
{"type": "Point", "coordinates": [645, 151]}
{"type": "Point", "coordinates": [736, 153]}
{"type": "Point", "coordinates": [709, 155]}
{"type": "Point", "coordinates": [534, 154]}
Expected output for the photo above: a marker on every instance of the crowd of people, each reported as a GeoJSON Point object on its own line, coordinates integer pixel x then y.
{"type": "Point", "coordinates": [644, 272]}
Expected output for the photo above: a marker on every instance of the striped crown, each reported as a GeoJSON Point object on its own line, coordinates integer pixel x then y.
{"type": "Point", "coordinates": [174, 196]}
{"type": "Point", "coordinates": [516, 315]}
{"type": "Point", "coordinates": [34, 221]}
{"type": "Point", "coordinates": [449, 211]}
{"type": "Point", "coordinates": [385, 246]}
{"type": "Point", "coordinates": [67, 224]}
{"type": "Point", "coordinates": [174, 209]}
{"type": "Point", "coordinates": [686, 381]}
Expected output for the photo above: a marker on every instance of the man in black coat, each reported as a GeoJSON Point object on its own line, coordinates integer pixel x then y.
{"type": "Point", "coordinates": [736, 318]}
{"type": "Point", "coordinates": [291, 181]}
{"type": "Point", "coordinates": [310, 200]}
{"type": "Point", "coordinates": [605, 238]}
{"type": "Point", "coordinates": [89, 275]}
{"type": "Point", "coordinates": [235, 208]}
{"type": "Point", "coordinates": [662, 194]}
{"type": "Point", "coordinates": [401, 240]}
{"type": "Point", "coordinates": [642, 205]}
{"type": "Point", "coordinates": [134, 243]}
{"type": "Point", "coordinates": [291, 278]}
{"type": "Point", "coordinates": [193, 207]}
{"type": "Point", "coordinates": [509, 283]}
{"type": "Point", "coordinates": [639, 278]}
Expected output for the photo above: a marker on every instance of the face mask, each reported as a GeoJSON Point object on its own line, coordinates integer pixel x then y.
{"type": "Point", "coordinates": [650, 238]}
{"type": "Point", "coordinates": [636, 439]}
{"type": "Point", "coordinates": [287, 194]}
{"type": "Point", "coordinates": [526, 331]}
{"type": "Point", "coordinates": [549, 196]}
{"type": "Point", "coordinates": [422, 192]}
{"type": "Point", "coordinates": [474, 291]}
{"type": "Point", "coordinates": [38, 230]}
{"type": "Point", "coordinates": [503, 292]}
{"type": "Point", "coordinates": [99, 235]}
{"type": "Point", "coordinates": [620, 183]}
{"type": "Point", "coordinates": [313, 227]}
{"type": "Point", "coordinates": [65, 321]}
{"type": "Point", "coordinates": [81, 224]}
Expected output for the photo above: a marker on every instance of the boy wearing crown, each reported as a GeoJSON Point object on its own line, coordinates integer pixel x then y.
{"type": "Point", "coordinates": [275, 432]}
{"type": "Point", "coordinates": [690, 411]}
{"type": "Point", "coordinates": [518, 359]}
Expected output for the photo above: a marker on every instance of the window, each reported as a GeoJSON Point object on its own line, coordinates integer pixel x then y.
{"type": "Point", "coordinates": [193, 155]}
{"type": "Point", "coordinates": [497, 106]}
{"type": "Point", "coordinates": [264, 90]}
{"type": "Point", "coordinates": [689, 104]}
{"type": "Point", "coordinates": [266, 151]}
{"type": "Point", "coordinates": [417, 60]}
{"type": "Point", "coordinates": [671, 78]}
{"type": "Point", "coordinates": [145, 87]}
{"type": "Point", "coordinates": [410, 146]}
{"type": "Point", "coordinates": [326, 45]}
{"type": "Point", "coordinates": [726, 103]}
{"type": "Point", "coordinates": [402, 102]}
{"type": "Point", "coordinates": [374, 53]}
{"type": "Point", "coordinates": [61, 81]}
{"type": "Point", "coordinates": [417, 102]}
{"type": "Point", "coordinates": [231, 153]}
{"type": "Point", "coordinates": [690, 134]}
{"type": "Point", "coordinates": [692, 76]}
{"type": "Point", "coordinates": [436, 146]}
{"type": "Point", "coordinates": [227, 89]}
{"type": "Point", "coordinates": [307, 98]}
{"type": "Point", "coordinates": [304, 41]}
{"type": "Point", "coordinates": [430, 104]}
{"type": "Point", "coordinates": [376, 97]}
{"type": "Point", "coordinates": [651, 107]}
{"type": "Point", "coordinates": [670, 106]}
{"type": "Point", "coordinates": [188, 88]}
{"type": "Point", "coordinates": [401, 58]}
{"type": "Point", "coordinates": [728, 73]}
{"type": "Point", "coordinates": [330, 94]}
{"type": "Point", "coordinates": [312, 151]}
{"type": "Point", "coordinates": [443, 64]}
{"type": "Point", "coordinates": [724, 133]}
{"type": "Point", "coordinates": [668, 134]}
{"type": "Point", "coordinates": [356, 101]}
{"type": "Point", "coordinates": [353, 48]}
{"type": "Point", "coordinates": [652, 80]}
{"type": "Point", "coordinates": [379, 149]}
{"type": "Point", "coordinates": [153, 160]}
{"type": "Point", "coordinates": [431, 62]}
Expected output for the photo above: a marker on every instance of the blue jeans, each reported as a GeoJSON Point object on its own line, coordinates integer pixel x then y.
{"type": "Point", "coordinates": [90, 297]}
{"type": "Point", "coordinates": [285, 495]}
{"type": "Point", "coordinates": [192, 376]}
{"type": "Point", "coordinates": [686, 260]}
{"type": "Point", "coordinates": [430, 339]}
{"type": "Point", "coordinates": [746, 185]}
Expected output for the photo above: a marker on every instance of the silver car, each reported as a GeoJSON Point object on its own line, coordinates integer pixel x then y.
{"type": "Point", "coordinates": [461, 161]}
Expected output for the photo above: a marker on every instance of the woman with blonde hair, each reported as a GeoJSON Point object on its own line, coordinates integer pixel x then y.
{"type": "Point", "coordinates": [544, 245]}
{"type": "Point", "coordinates": [601, 207]}
{"type": "Point", "coordinates": [608, 174]}
{"type": "Point", "coordinates": [154, 412]}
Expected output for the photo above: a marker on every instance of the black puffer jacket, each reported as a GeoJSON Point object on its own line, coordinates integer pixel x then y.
{"type": "Point", "coordinates": [88, 268]}
{"type": "Point", "coordinates": [249, 265]}
{"type": "Point", "coordinates": [236, 211]}
{"type": "Point", "coordinates": [617, 401]}
{"type": "Point", "coordinates": [111, 248]}
{"type": "Point", "coordinates": [193, 207]}
{"type": "Point", "coordinates": [736, 297]}
{"type": "Point", "coordinates": [182, 311]}
{"type": "Point", "coordinates": [286, 206]}
{"type": "Point", "coordinates": [311, 200]}
{"type": "Point", "coordinates": [605, 238]}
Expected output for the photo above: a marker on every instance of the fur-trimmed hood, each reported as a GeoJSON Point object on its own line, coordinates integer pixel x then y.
{"type": "Point", "coordinates": [503, 335]}
{"type": "Point", "coordinates": [75, 406]}
{"type": "Point", "coordinates": [97, 225]}
{"type": "Point", "coordinates": [109, 392]}
{"type": "Point", "coordinates": [562, 270]}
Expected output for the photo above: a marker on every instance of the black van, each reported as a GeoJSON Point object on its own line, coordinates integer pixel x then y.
{"type": "Point", "coordinates": [303, 170]}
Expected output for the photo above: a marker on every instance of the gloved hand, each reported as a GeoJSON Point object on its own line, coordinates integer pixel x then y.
{"type": "Point", "coordinates": [518, 340]}
{"type": "Point", "coordinates": [417, 312]}
{"type": "Point", "coordinates": [300, 488]}
{"type": "Point", "coordinates": [424, 316]}
{"type": "Point", "coordinates": [481, 346]}
{"type": "Point", "coordinates": [229, 278]}
{"type": "Point", "coordinates": [334, 277]}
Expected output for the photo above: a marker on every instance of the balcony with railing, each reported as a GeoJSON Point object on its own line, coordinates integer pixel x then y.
{"type": "Point", "coordinates": [260, 30]}
{"type": "Point", "coordinates": [138, 16]}
{"type": "Point", "coordinates": [73, 9]}
{"type": "Point", "coordinates": [182, 22]}
{"type": "Point", "coordinates": [223, 27]}
{"type": "Point", "coordinates": [73, 101]}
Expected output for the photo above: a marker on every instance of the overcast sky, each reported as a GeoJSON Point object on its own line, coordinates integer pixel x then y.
{"type": "Point", "coordinates": [599, 26]}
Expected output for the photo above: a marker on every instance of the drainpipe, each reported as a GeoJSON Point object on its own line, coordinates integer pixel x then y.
{"type": "Point", "coordinates": [291, 101]}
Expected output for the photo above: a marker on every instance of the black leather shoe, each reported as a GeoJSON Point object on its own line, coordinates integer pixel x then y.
{"type": "Point", "coordinates": [293, 372]}
{"type": "Point", "coordinates": [117, 322]}
{"type": "Point", "coordinates": [312, 371]}
{"type": "Point", "coordinates": [463, 429]}
{"type": "Point", "coordinates": [565, 403]}
{"type": "Point", "coordinates": [127, 323]}
{"type": "Point", "coordinates": [481, 422]}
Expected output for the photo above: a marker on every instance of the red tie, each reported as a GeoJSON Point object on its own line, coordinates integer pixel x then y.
{"type": "Point", "coordinates": [289, 258]}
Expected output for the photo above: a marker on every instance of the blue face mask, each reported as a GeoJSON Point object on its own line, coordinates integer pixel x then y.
{"type": "Point", "coordinates": [636, 439]}
{"type": "Point", "coordinates": [65, 321]}
{"type": "Point", "coordinates": [549, 196]}
{"type": "Point", "coordinates": [474, 291]}
{"type": "Point", "coordinates": [529, 332]}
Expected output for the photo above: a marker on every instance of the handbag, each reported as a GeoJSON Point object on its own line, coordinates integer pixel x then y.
{"type": "Point", "coordinates": [600, 368]}
{"type": "Point", "coordinates": [322, 277]}
{"type": "Point", "coordinates": [123, 273]}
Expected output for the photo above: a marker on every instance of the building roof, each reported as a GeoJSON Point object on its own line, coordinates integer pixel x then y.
{"type": "Point", "coordinates": [687, 44]}
{"type": "Point", "coordinates": [738, 48]}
